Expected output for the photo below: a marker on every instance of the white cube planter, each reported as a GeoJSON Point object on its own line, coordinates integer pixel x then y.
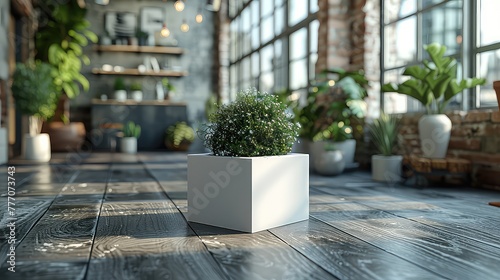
{"type": "Point", "coordinates": [248, 194]}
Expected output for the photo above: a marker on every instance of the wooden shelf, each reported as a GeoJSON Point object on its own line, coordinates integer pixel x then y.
{"type": "Point", "coordinates": [135, 72]}
{"type": "Point", "coordinates": [139, 49]}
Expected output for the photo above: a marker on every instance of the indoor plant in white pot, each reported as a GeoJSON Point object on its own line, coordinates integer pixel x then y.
{"type": "Point", "coordinates": [386, 166]}
{"type": "Point", "coordinates": [434, 84]}
{"type": "Point", "coordinates": [120, 89]}
{"type": "Point", "coordinates": [136, 91]}
{"type": "Point", "coordinates": [250, 181]}
{"type": "Point", "coordinates": [35, 95]}
{"type": "Point", "coordinates": [131, 132]}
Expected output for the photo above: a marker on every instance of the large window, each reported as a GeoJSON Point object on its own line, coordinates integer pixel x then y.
{"type": "Point", "coordinates": [467, 27]}
{"type": "Point", "coordinates": [273, 44]}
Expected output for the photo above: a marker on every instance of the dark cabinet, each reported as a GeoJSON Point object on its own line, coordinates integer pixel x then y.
{"type": "Point", "coordinates": [153, 116]}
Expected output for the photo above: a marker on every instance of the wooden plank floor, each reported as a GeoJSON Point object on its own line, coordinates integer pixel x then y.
{"type": "Point", "coordinates": [113, 216]}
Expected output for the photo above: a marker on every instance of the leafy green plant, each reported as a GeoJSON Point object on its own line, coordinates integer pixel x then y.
{"type": "Point", "coordinates": [167, 85]}
{"type": "Point", "coordinates": [131, 129]}
{"type": "Point", "coordinates": [211, 105]}
{"type": "Point", "coordinates": [337, 97]}
{"type": "Point", "coordinates": [136, 86]}
{"type": "Point", "coordinates": [34, 92]}
{"type": "Point", "coordinates": [179, 136]}
{"type": "Point", "coordinates": [384, 133]}
{"type": "Point", "coordinates": [120, 84]}
{"type": "Point", "coordinates": [60, 42]}
{"type": "Point", "coordinates": [255, 124]}
{"type": "Point", "coordinates": [435, 83]}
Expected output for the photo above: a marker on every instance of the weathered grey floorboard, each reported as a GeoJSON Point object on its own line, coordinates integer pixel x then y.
{"type": "Point", "coordinates": [345, 256]}
{"type": "Point", "coordinates": [141, 235]}
{"type": "Point", "coordinates": [441, 252]}
{"type": "Point", "coordinates": [242, 256]}
{"type": "Point", "coordinates": [482, 229]}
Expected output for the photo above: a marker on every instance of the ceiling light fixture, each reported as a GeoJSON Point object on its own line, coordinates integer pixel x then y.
{"type": "Point", "coordinates": [184, 26]}
{"type": "Point", "coordinates": [199, 16]}
{"type": "Point", "coordinates": [164, 31]}
{"type": "Point", "coordinates": [179, 5]}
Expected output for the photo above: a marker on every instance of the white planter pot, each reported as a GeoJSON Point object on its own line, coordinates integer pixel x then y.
{"type": "Point", "coordinates": [137, 95]}
{"type": "Point", "coordinates": [37, 148]}
{"type": "Point", "coordinates": [329, 163]}
{"type": "Point", "coordinates": [434, 132]}
{"type": "Point", "coordinates": [248, 194]}
{"type": "Point", "coordinates": [121, 95]}
{"type": "Point", "coordinates": [387, 168]}
{"type": "Point", "coordinates": [347, 147]}
{"type": "Point", "coordinates": [128, 145]}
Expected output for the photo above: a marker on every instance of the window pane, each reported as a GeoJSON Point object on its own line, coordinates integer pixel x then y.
{"type": "Point", "coordinates": [255, 37]}
{"type": "Point", "coordinates": [278, 3]}
{"type": "Point", "coordinates": [279, 19]}
{"type": "Point", "coordinates": [314, 6]}
{"type": "Point", "coordinates": [245, 69]}
{"type": "Point", "coordinates": [298, 11]}
{"type": "Point", "coordinates": [267, 82]}
{"type": "Point", "coordinates": [298, 44]}
{"type": "Point", "coordinates": [266, 58]}
{"type": "Point", "coordinates": [395, 9]}
{"type": "Point", "coordinates": [266, 7]}
{"type": "Point", "coordinates": [255, 64]}
{"type": "Point", "coordinates": [298, 74]}
{"type": "Point", "coordinates": [489, 68]}
{"type": "Point", "coordinates": [400, 43]}
{"type": "Point", "coordinates": [266, 29]}
{"type": "Point", "coordinates": [313, 58]}
{"type": "Point", "coordinates": [488, 22]}
{"type": "Point", "coordinates": [443, 25]}
{"type": "Point", "coordinates": [313, 36]}
{"type": "Point", "coordinates": [255, 12]}
{"type": "Point", "coordinates": [280, 78]}
{"type": "Point", "coordinates": [426, 3]}
{"type": "Point", "coordinates": [245, 20]}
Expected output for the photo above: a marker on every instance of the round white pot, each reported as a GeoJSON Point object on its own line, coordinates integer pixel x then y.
{"type": "Point", "coordinates": [387, 168]}
{"type": "Point", "coordinates": [128, 145]}
{"type": "Point", "coordinates": [347, 147]}
{"type": "Point", "coordinates": [137, 95]}
{"type": "Point", "coordinates": [329, 163]}
{"type": "Point", "coordinates": [36, 148]}
{"type": "Point", "coordinates": [121, 95]}
{"type": "Point", "coordinates": [434, 132]}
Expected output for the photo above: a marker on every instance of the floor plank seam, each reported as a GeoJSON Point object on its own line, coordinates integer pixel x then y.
{"type": "Point", "coordinates": [97, 222]}
{"type": "Point", "coordinates": [184, 217]}
{"type": "Point", "coordinates": [300, 253]}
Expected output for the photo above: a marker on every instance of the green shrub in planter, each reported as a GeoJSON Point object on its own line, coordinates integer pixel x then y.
{"type": "Point", "coordinates": [178, 137]}
{"type": "Point", "coordinates": [130, 129]}
{"type": "Point", "coordinates": [35, 93]}
{"type": "Point", "coordinates": [255, 124]}
{"type": "Point", "coordinates": [384, 133]}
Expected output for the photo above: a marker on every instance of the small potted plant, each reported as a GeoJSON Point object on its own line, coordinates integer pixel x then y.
{"type": "Point", "coordinates": [120, 89]}
{"type": "Point", "coordinates": [434, 85]}
{"type": "Point", "coordinates": [330, 162]}
{"type": "Point", "coordinates": [35, 95]}
{"type": "Point", "coordinates": [250, 169]}
{"type": "Point", "coordinates": [179, 136]}
{"type": "Point", "coordinates": [386, 166]}
{"type": "Point", "coordinates": [131, 132]}
{"type": "Point", "coordinates": [168, 88]}
{"type": "Point", "coordinates": [136, 91]}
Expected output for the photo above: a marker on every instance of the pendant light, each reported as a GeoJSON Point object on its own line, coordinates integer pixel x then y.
{"type": "Point", "coordinates": [184, 26]}
{"type": "Point", "coordinates": [179, 5]}
{"type": "Point", "coordinates": [199, 16]}
{"type": "Point", "coordinates": [164, 31]}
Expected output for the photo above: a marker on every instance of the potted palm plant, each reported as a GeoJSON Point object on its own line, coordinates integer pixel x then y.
{"type": "Point", "coordinates": [250, 169]}
{"type": "Point", "coordinates": [131, 132]}
{"type": "Point", "coordinates": [35, 95]}
{"type": "Point", "coordinates": [386, 166]}
{"type": "Point", "coordinates": [434, 85]}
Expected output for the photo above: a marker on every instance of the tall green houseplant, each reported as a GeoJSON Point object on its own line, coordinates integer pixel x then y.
{"type": "Point", "coordinates": [60, 42]}
{"type": "Point", "coordinates": [435, 82]}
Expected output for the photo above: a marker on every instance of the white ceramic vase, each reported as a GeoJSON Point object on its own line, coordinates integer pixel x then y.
{"type": "Point", "coordinates": [128, 145]}
{"type": "Point", "coordinates": [37, 148]}
{"type": "Point", "coordinates": [387, 168]}
{"type": "Point", "coordinates": [434, 132]}
{"type": "Point", "coordinates": [137, 95]}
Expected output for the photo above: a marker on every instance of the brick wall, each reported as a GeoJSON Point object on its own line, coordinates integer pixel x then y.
{"type": "Point", "coordinates": [475, 136]}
